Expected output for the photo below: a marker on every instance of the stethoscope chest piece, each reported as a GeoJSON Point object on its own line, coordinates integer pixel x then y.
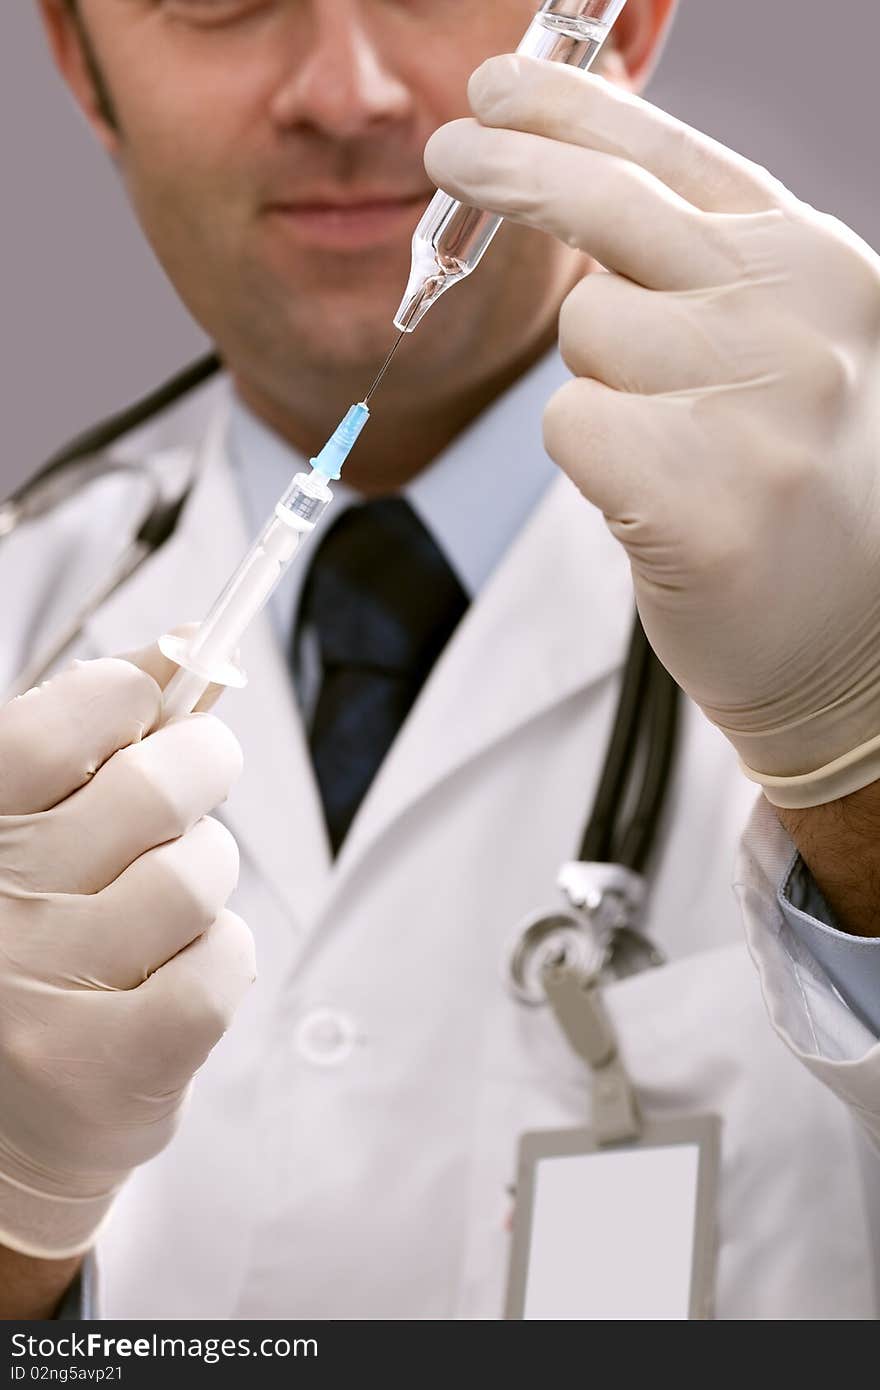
{"type": "Point", "coordinates": [593, 931]}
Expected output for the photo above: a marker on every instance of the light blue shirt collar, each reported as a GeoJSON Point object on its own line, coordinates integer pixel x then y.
{"type": "Point", "coordinates": [474, 498]}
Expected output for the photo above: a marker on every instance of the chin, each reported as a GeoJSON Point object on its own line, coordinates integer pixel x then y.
{"type": "Point", "coordinates": [343, 339]}
{"type": "Point", "coordinates": [297, 314]}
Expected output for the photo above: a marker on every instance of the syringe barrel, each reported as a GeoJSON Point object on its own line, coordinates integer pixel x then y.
{"type": "Point", "coordinates": [452, 238]}
{"type": "Point", "coordinates": [207, 656]}
{"type": "Point", "coordinates": [249, 589]}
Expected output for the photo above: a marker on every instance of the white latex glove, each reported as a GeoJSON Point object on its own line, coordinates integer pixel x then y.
{"type": "Point", "coordinates": [726, 410]}
{"type": "Point", "coordinates": [119, 968]}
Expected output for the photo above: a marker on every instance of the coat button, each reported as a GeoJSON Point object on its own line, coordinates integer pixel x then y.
{"type": "Point", "coordinates": [326, 1037]}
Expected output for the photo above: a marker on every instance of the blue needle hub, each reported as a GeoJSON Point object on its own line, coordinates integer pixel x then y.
{"type": "Point", "coordinates": [340, 444]}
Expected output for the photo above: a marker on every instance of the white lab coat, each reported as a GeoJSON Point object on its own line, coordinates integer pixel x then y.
{"type": "Point", "coordinates": [347, 1148]}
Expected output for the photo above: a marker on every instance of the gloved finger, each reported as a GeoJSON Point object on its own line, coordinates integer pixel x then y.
{"type": "Point", "coordinates": [151, 660]}
{"type": "Point", "coordinates": [116, 939]}
{"type": "Point", "coordinates": [54, 738]}
{"type": "Point", "coordinates": [624, 453]}
{"type": "Point", "coordinates": [648, 342]}
{"type": "Point", "coordinates": [183, 1010]}
{"type": "Point", "coordinates": [143, 796]}
{"type": "Point", "coordinates": [579, 108]}
{"type": "Point", "coordinates": [609, 207]}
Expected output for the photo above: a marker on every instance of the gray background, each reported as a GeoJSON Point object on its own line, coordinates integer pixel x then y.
{"type": "Point", "coordinates": [88, 321]}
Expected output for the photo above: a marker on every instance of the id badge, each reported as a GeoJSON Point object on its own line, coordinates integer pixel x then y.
{"type": "Point", "coordinates": [617, 1232]}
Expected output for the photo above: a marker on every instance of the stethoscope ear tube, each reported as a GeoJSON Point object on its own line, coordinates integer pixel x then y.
{"type": "Point", "coordinates": [662, 709]}
{"type": "Point", "coordinates": [124, 567]}
{"type": "Point", "coordinates": [643, 738]}
{"type": "Point", "coordinates": [87, 446]}
{"type": "Point", "coordinates": [79, 463]}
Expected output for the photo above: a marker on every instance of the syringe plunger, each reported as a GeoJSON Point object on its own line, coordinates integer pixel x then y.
{"type": "Point", "coordinates": [208, 657]}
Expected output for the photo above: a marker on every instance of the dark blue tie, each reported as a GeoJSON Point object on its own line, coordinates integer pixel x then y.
{"type": "Point", "coordinates": [383, 602]}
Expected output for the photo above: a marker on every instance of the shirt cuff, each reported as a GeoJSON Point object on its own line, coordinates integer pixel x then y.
{"type": "Point", "coordinates": [805, 1007]}
{"type": "Point", "coordinates": [852, 963]}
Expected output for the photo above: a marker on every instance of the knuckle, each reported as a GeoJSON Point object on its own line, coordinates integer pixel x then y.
{"type": "Point", "coordinates": [207, 1015]}
{"type": "Point", "coordinates": [224, 847]}
{"type": "Point", "coordinates": [224, 749]}
{"type": "Point", "coordinates": [233, 964]}
{"type": "Point", "coordinates": [556, 413]}
{"type": "Point", "coordinates": [192, 898]}
{"type": "Point", "coordinates": [206, 747]}
{"type": "Point", "coordinates": [568, 422]}
{"type": "Point", "coordinates": [133, 685]}
{"type": "Point", "coordinates": [154, 794]}
{"type": "Point", "coordinates": [817, 377]}
{"type": "Point", "coordinates": [202, 872]}
{"type": "Point", "coordinates": [830, 380]}
{"type": "Point", "coordinates": [578, 310]}
{"type": "Point", "coordinates": [202, 987]}
{"type": "Point", "coordinates": [179, 773]}
{"type": "Point", "coordinates": [789, 471]}
{"type": "Point", "coordinates": [563, 405]}
{"type": "Point", "coordinates": [205, 1012]}
{"type": "Point", "coordinates": [600, 325]}
{"type": "Point", "coordinates": [240, 946]}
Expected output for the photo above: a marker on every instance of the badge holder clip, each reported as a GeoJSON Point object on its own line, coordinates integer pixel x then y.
{"type": "Point", "coordinates": [616, 1221]}
{"type": "Point", "coordinates": [576, 1001]}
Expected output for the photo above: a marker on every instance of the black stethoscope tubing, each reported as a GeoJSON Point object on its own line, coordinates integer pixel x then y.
{"type": "Point", "coordinates": [635, 777]}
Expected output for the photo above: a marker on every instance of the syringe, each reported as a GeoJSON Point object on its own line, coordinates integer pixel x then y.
{"type": "Point", "coordinates": [451, 239]}
{"type": "Point", "coordinates": [208, 657]}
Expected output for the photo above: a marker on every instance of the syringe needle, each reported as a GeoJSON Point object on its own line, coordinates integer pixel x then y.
{"type": "Point", "coordinates": [383, 369]}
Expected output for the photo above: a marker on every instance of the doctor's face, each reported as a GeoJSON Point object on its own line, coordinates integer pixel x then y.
{"type": "Point", "coordinates": [273, 152]}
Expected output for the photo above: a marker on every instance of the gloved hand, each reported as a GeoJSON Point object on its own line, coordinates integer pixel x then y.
{"type": "Point", "coordinates": [725, 414]}
{"type": "Point", "coordinates": [119, 967]}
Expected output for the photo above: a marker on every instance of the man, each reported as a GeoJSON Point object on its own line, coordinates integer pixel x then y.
{"type": "Point", "coordinates": [348, 1146]}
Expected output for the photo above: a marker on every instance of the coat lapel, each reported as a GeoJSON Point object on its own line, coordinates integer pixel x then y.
{"type": "Point", "coordinates": [553, 620]}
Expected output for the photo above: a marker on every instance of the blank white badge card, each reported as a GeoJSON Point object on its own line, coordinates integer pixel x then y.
{"type": "Point", "coordinates": [618, 1232]}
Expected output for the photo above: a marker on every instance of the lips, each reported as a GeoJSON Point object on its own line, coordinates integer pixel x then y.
{"type": "Point", "coordinates": [352, 223]}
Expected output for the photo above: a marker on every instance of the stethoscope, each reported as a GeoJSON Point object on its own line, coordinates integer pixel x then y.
{"type": "Point", "coordinates": [75, 466]}
{"type": "Point", "coordinates": [595, 925]}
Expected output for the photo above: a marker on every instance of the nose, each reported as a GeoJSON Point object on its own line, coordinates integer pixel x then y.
{"type": "Point", "coordinates": [339, 80]}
